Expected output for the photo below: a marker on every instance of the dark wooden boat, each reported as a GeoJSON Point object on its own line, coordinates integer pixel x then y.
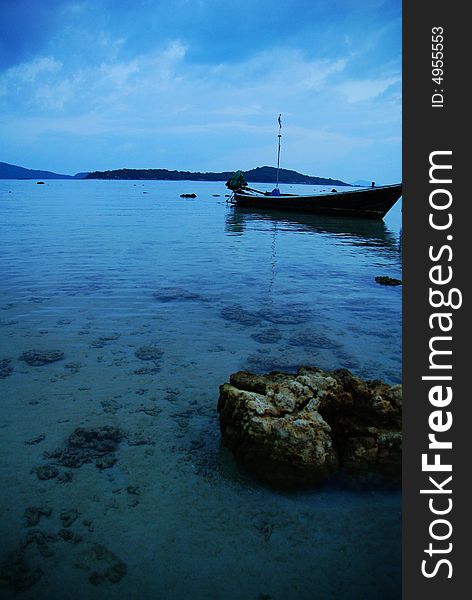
{"type": "Point", "coordinates": [372, 202]}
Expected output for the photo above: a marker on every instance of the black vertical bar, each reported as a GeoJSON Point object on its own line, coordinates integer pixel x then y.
{"type": "Point", "coordinates": [436, 118]}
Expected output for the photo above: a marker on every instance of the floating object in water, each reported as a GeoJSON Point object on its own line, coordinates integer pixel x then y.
{"type": "Point", "coordinates": [188, 195]}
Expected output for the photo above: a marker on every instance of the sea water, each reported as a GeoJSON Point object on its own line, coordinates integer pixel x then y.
{"type": "Point", "coordinates": [101, 269]}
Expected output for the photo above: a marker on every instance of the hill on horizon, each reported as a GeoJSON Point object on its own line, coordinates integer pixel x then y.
{"type": "Point", "coordinates": [257, 175]}
{"type": "Point", "coordinates": [8, 171]}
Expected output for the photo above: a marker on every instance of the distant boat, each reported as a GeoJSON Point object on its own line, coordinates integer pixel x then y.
{"type": "Point", "coordinates": [372, 202]}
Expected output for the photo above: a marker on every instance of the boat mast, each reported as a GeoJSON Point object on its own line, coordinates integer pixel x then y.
{"type": "Point", "coordinates": [278, 152]}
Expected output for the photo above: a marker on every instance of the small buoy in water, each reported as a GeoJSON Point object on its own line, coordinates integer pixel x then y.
{"type": "Point", "coordinates": [188, 195]}
{"type": "Point", "coordinates": [40, 183]}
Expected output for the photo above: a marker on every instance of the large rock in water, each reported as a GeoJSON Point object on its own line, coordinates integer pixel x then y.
{"type": "Point", "coordinates": [297, 430]}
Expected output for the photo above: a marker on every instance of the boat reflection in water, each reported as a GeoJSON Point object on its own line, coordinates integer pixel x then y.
{"type": "Point", "coordinates": [342, 230]}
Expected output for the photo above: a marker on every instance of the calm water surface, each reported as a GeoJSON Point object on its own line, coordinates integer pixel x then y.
{"type": "Point", "coordinates": [100, 269]}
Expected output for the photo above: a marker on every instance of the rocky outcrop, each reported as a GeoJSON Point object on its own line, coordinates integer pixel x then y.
{"type": "Point", "coordinates": [385, 280]}
{"type": "Point", "coordinates": [297, 430]}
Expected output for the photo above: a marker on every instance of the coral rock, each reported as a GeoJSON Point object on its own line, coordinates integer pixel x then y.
{"type": "Point", "coordinates": [37, 358]}
{"type": "Point", "coordinates": [297, 430]}
{"type": "Point", "coordinates": [86, 445]}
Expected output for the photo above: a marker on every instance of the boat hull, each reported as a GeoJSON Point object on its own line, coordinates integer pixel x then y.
{"type": "Point", "coordinates": [371, 203]}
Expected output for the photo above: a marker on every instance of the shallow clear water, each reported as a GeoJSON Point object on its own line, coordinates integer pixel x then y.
{"type": "Point", "coordinates": [98, 269]}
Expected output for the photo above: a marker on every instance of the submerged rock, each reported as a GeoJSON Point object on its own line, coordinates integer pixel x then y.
{"type": "Point", "coordinates": [149, 353]}
{"type": "Point", "coordinates": [36, 440]}
{"type": "Point", "coordinates": [278, 361]}
{"type": "Point", "coordinates": [17, 574]}
{"type": "Point", "coordinates": [271, 335]}
{"type": "Point", "coordinates": [103, 340]}
{"type": "Point", "coordinates": [286, 315]}
{"type": "Point", "coordinates": [171, 294]}
{"type": "Point", "coordinates": [69, 516]}
{"type": "Point", "coordinates": [146, 370]}
{"type": "Point", "coordinates": [37, 358]}
{"type": "Point", "coordinates": [87, 445]}
{"type": "Point", "coordinates": [103, 565]}
{"type": "Point", "coordinates": [99, 440]}
{"type": "Point", "coordinates": [297, 430]}
{"type": "Point", "coordinates": [312, 340]}
{"type": "Point", "coordinates": [238, 314]}
{"type": "Point", "coordinates": [69, 536]}
{"type": "Point", "coordinates": [33, 514]}
{"type": "Point", "coordinates": [105, 462]}
{"type": "Point", "coordinates": [46, 472]}
{"type": "Point", "coordinates": [5, 368]}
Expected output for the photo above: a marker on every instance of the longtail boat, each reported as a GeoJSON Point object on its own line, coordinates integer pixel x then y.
{"type": "Point", "coordinates": [372, 202]}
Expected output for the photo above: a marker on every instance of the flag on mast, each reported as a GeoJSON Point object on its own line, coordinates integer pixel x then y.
{"type": "Point", "coordinates": [280, 120]}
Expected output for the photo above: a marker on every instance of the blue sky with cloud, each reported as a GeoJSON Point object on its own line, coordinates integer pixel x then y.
{"type": "Point", "coordinates": [198, 85]}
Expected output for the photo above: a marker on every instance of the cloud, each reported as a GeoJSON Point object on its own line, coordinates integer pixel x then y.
{"type": "Point", "coordinates": [46, 83]}
{"type": "Point", "coordinates": [28, 72]}
{"type": "Point", "coordinates": [99, 84]}
{"type": "Point", "coordinates": [367, 89]}
{"type": "Point", "coordinates": [158, 82]}
{"type": "Point", "coordinates": [160, 94]}
{"type": "Point", "coordinates": [277, 69]}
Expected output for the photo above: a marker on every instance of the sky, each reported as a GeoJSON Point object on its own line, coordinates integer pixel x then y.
{"type": "Point", "coordinates": [198, 85]}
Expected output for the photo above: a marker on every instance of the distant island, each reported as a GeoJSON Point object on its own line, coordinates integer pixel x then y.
{"type": "Point", "coordinates": [8, 171]}
{"type": "Point", "coordinates": [258, 175]}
